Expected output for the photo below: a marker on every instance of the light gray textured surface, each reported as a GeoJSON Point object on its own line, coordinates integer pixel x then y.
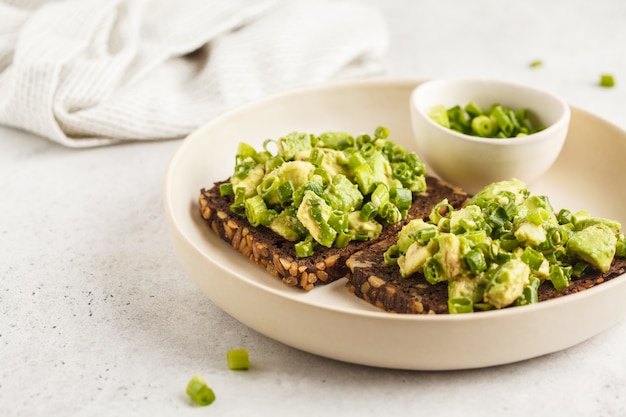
{"type": "Point", "coordinates": [98, 318]}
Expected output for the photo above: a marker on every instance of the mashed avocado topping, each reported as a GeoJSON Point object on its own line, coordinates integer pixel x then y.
{"type": "Point", "coordinates": [502, 245]}
{"type": "Point", "coordinates": [325, 190]}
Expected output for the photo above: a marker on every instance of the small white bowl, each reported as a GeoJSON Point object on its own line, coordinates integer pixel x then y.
{"type": "Point", "coordinates": [472, 162]}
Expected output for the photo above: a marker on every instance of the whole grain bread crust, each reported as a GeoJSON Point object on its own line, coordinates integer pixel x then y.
{"type": "Point", "coordinates": [277, 256]}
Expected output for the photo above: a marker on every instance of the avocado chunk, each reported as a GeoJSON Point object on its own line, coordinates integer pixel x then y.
{"type": "Point", "coordinates": [469, 287]}
{"type": "Point", "coordinates": [314, 213]}
{"type": "Point", "coordinates": [507, 283]}
{"type": "Point", "coordinates": [595, 245]}
{"type": "Point", "coordinates": [491, 191]}
{"type": "Point", "coordinates": [414, 259]}
{"type": "Point", "coordinates": [250, 182]}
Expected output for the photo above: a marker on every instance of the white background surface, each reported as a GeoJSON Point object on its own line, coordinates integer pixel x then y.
{"type": "Point", "coordinates": [98, 318]}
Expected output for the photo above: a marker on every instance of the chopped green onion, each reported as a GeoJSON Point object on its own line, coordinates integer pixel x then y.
{"type": "Point", "coordinates": [390, 213]}
{"type": "Point", "coordinates": [316, 157]}
{"type": "Point", "coordinates": [238, 359]}
{"type": "Point", "coordinates": [496, 122]}
{"type": "Point", "coordinates": [441, 210]}
{"type": "Point", "coordinates": [533, 258]}
{"type": "Point", "coordinates": [536, 63]}
{"type": "Point", "coordinates": [267, 188]}
{"type": "Point", "coordinates": [558, 277]}
{"type": "Point", "coordinates": [440, 115]}
{"type": "Point", "coordinates": [245, 151]}
{"type": "Point", "coordinates": [529, 294]}
{"type": "Point", "coordinates": [503, 121]}
{"type": "Point", "coordinates": [433, 271]}
{"type": "Point", "coordinates": [620, 245]}
{"type": "Point", "coordinates": [401, 197]}
{"type": "Point", "coordinates": [460, 305]}
{"type": "Point", "coordinates": [343, 239]}
{"type": "Point", "coordinates": [239, 202]}
{"type": "Point", "coordinates": [338, 220]}
{"type": "Point", "coordinates": [473, 109]}
{"type": "Point", "coordinates": [369, 211]}
{"type": "Point", "coordinates": [364, 177]}
{"type": "Point", "coordinates": [402, 171]}
{"type": "Point", "coordinates": [363, 139]}
{"type": "Point", "coordinates": [380, 195]}
{"type": "Point", "coordinates": [391, 255]}
{"type": "Point", "coordinates": [607, 80]}
{"type": "Point", "coordinates": [565, 216]}
{"type": "Point", "coordinates": [273, 163]}
{"type": "Point", "coordinates": [285, 192]}
{"type": "Point", "coordinates": [475, 261]}
{"type": "Point", "coordinates": [355, 160]}
{"type": "Point", "coordinates": [226, 189]}
{"type": "Point", "coordinates": [424, 235]}
{"type": "Point", "coordinates": [381, 132]}
{"type": "Point", "coordinates": [484, 126]}
{"type": "Point", "coordinates": [256, 210]}
{"type": "Point", "coordinates": [508, 241]}
{"type": "Point", "coordinates": [538, 216]}
{"type": "Point", "coordinates": [199, 391]}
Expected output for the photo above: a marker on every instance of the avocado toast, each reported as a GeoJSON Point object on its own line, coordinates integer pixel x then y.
{"type": "Point", "coordinates": [503, 248]}
{"type": "Point", "coordinates": [305, 203]}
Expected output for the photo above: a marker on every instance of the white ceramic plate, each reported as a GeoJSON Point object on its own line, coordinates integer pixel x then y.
{"type": "Point", "coordinates": [331, 322]}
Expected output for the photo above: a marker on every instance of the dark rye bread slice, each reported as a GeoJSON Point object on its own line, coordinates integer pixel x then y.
{"type": "Point", "coordinates": [382, 285]}
{"type": "Point", "coordinates": [277, 256]}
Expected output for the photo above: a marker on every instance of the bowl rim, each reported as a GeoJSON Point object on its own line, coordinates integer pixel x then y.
{"type": "Point", "coordinates": [563, 118]}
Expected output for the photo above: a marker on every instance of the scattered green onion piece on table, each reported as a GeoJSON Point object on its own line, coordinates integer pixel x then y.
{"type": "Point", "coordinates": [536, 63]}
{"type": "Point", "coordinates": [199, 391]}
{"type": "Point", "coordinates": [607, 80]}
{"type": "Point", "coordinates": [238, 359]}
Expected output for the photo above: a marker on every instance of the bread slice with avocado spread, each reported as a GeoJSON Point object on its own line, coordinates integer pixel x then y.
{"type": "Point", "coordinates": [304, 203]}
{"type": "Point", "coordinates": [278, 256]}
{"type": "Point", "coordinates": [503, 248]}
{"type": "Point", "coordinates": [381, 284]}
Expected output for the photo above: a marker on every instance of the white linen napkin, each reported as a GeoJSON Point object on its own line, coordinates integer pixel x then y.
{"type": "Point", "coordinates": [98, 72]}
